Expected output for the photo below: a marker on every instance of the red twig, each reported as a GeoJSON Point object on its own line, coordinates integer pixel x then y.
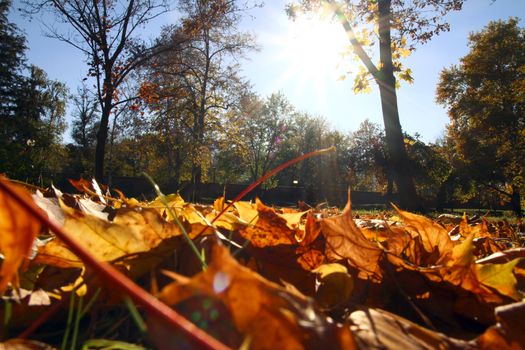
{"type": "Point", "coordinates": [267, 176]}
{"type": "Point", "coordinates": [147, 301]}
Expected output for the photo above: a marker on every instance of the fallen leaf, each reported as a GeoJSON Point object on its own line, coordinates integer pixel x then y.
{"type": "Point", "coordinates": [247, 211]}
{"type": "Point", "coordinates": [269, 315]}
{"type": "Point", "coordinates": [310, 249]}
{"type": "Point", "coordinates": [218, 204]}
{"type": "Point", "coordinates": [377, 329]}
{"type": "Point", "coordinates": [335, 285]}
{"type": "Point", "coordinates": [18, 230]}
{"type": "Point", "coordinates": [81, 184]}
{"type": "Point", "coordinates": [132, 231]}
{"type": "Point", "coordinates": [311, 259]}
{"type": "Point", "coordinates": [174, 202]}
{"type": "Point", "coordinates": [434, 237]}
{"type": "Point", "coordinates": [345, 241]}
{"type": "Point", "coordinates": [50, 206]}
{"type": "Point", "coordinates": [293, 219]}
{"type": "Point", "coordinates": [509, 331]}
{"type": "Point", "coordinates": [500, 277]}
{"type": "Point", "coordinates": [502, 257]}
{"type": "Point", "coordinates": [268, 229]}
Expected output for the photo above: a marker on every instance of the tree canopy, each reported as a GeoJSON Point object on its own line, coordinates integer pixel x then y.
{"type": "Point", "coordinates": [32, 109]}
{"type": "Point", "coordinates": [485, 97]}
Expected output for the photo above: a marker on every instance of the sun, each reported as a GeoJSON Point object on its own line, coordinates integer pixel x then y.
{"type": "Point", "coordinates": [313, 51]}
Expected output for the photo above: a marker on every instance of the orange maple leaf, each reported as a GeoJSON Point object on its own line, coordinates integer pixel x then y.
{"type": "Point", "coordinates": [18, 229]}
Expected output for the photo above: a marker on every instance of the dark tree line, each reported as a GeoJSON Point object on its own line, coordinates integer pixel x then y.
{"type": "Point", "coordinates": [32, 109]}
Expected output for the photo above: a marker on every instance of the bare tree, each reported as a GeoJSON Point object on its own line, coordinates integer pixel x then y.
{"type": "Point", "coordinates": [106, 32]}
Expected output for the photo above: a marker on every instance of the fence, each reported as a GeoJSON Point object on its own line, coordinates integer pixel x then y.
{"type": "Point", "coordinates": [282, 195]}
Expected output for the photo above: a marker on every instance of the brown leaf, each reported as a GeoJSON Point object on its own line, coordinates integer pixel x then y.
{"type": "Point", "coordinates": [268, 229]}
{"type": "Point", "coordinates": [18, 230]}
{"type": "Point", "coordinates": [310, 249]}
{"type": "Point", "coordinates": [508, 333]}
{"type": "Point", "coordinates": [377, 329]}
{"type": "Point", "coordinates": [312, 230]}
{"type": "Point", "coordinates": [434, 237]}
{"type": "Point", "coordinates": [311, 259]}
{"type": "Point", "coordinates": [345, 241]}
{"type": "Point", "coordinates": [81, 185]}
{"type": "Point", "coordinates": [261, 310]}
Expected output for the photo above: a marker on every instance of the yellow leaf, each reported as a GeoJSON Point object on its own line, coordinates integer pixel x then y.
{"type": "Point", "coordinates": [227, 221]}
{"type": "Point", "coordinates": [335, 285]}
{"type": "Point", "coordinates": [463, 254]}
{"type": "Point", "coordinates": [293, 219]}
{"type": "Point", "coordinates": [247, 211]}
{"type": "Point", "coordinates": [326, 269]}
{"type": "Point", "coordinates": [175, 201]}
{"type": "Point", "coordinates": [500, 277]}
{"type": "Point", "coordinates": [218, 204]}
{"type": "Point", "coordinates": [269, 229]}
{"type": "Point", "coordinates": [132, 231]}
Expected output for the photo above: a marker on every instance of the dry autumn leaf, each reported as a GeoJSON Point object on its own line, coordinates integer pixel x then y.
{"type": "Point", "coordinates": [345, 241]}
{"type": "Point", "coordinates": [268, 228]}
{"type": "Point", "coordinates": [434, 237]}
{"type": "Point", "coordinates": [175, 203]}
{"type": "Point", "coordinates": [509, 331]}
{"type": "Point", "coordinates": [500, 277]}
{"type": "Point", "coordinates": [268, 315]}
{"type": "Point", "coordinates": [18, 230]}
{"type": "Point", "coordinates": [377, 329]}
{"type": "Point", "coordinates": [132, 231]}
{"type": "Point", "coordinates": [335, 285]}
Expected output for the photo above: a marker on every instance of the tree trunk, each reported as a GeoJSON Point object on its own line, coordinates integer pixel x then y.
{"type": "Point", "coordinates": [515, 201]}
{"type": "Point", "coordinates": [100, 150]}
{"type": "Point", "coordinates": [102, 134]}
{"type": "Point", "coordinates": [398, 159]}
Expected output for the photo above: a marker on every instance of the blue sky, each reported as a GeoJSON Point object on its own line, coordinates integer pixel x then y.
{"type": "Point", "coordinates": [278, 66]}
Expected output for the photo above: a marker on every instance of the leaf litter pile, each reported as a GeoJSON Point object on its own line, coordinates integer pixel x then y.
{"type": "Point", "coordinates": [88, 271]}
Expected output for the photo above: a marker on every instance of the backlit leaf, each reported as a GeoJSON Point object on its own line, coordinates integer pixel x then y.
{"type": "Point", "coordinates": [434, 237]}
{"type": "Point", "coordinates": [271, 316]}
{"type": "Point", "coordinates": [335, 285]}
{"type": "Point", "coordinates": [269, 229]}
{"type": "Point", "coordinates": [132, 231]}
{"type": "Point", "coordinates": [500, 277]}
{"type": "Point", "coordinates": [345, 241]}
{"type": "Point", "coordinates": [18, 230]}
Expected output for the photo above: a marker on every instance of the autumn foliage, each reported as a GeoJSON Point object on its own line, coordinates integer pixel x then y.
{"type": "Point", "coordinates": [265, 278]}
